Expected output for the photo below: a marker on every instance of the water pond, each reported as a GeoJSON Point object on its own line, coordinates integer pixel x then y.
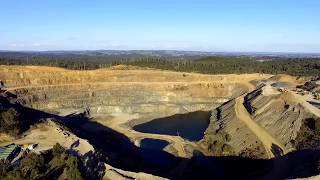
{"type": "Point", "coordinates": [189, 126]}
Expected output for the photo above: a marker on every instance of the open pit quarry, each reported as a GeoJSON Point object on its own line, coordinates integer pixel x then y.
{"type": "Point", "coordinates": [241, 115]}
{"type": "Point", "coordinates": [117, 91]}
{"type": "Point", "coordinates": [122, 98]}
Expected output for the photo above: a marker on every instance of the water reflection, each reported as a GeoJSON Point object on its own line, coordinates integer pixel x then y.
{"type": "Point", "coordinates": [189, 126]}
{"type": "Point", "coordinates": [156, 144]}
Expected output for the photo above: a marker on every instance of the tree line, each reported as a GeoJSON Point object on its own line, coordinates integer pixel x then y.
{"type": "Point", "coordinates": [208, 65]}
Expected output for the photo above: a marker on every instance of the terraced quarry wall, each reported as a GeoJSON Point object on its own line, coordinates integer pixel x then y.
{"type": "Point", "coordinates": [107, 91]}
{"type": "Point", "coordinates": [247, 117]}
{"type": "Point", "coordinates": [122, 99]}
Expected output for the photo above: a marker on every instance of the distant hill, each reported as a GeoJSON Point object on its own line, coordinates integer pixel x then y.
{"type": "Point", "coordinates": [152, 53]}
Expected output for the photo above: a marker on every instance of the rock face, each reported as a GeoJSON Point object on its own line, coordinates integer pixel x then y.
{"type": "Point", "coordinates": [279, 113]}
{"type": "Point", "coordinates": [248, 121]}
{"type": "Point", "coordinates": [115, 91]}
{"type": "Point", "coordinates": [263, 123]}
{"type": "Point", "coordinates": [226, 127]}
{"type": "Point", "coordinates": [123, 98]}
{"type": "Point", "coordinates": [153, 93]}
{"type": "Point", "coordinates": [313, 85]}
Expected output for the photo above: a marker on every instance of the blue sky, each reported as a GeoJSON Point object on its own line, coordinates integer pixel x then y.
{"type": "Point", "coordinates": [206, 25]}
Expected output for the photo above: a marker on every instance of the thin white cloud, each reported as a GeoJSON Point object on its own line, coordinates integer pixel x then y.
{"type": "Point", "coordinates": [12, 45]}
{"type": "Point", "coordinates": [24, 45]}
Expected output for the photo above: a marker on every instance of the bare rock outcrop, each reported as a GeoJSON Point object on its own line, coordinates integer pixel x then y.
{"type": "Point", "coordinates": [262, 122]}
{"type": "Point", "coordinates": [225, 128]}
{"type": "Point", "coordinates": [107, 91]}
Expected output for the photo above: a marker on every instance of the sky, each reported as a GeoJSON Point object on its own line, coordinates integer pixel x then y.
{"type": "Point", "coordinates": [201, 25]}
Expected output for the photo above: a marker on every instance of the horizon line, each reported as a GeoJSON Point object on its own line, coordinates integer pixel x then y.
{"type": "Point", "coordinates": [201, 51]}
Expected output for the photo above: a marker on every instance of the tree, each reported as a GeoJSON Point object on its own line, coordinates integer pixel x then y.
{"type": "Point", "coordinates": [73, 172]}
{"type": "Point", "coordinates": [14, 175]}
{"type": "Point", "coordinates": [4, 167]}
{"type": "Point", "coordinates": [57, 149]}
{"type": "Point", "coordinates": [9, 122]}
{"type": "Point", "coordinates": [33, 166]}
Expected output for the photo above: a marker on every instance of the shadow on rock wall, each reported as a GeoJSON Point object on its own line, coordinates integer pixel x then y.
{"type": "Point", "coordinates": [121, 153]}
{"type": "Point", "coordinates": [117, 150]}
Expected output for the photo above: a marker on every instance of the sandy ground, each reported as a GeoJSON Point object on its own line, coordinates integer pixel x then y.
{"type": "Point", "coordinates": [311, 178]}
{"type": "Point", "coordinates": [5, 138]}
{"type": "Point", "coordinates": [46, 135]}
{"type": "Point", "coordinates": [118, 174]}
{"type": "Point", "coordinates": [19, 76]}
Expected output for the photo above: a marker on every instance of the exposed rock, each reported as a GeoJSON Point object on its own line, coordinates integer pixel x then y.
{"type": "Point", "coordinates": [280, 115]}
{"type": "Point", "coordinates": [131, 91]}
{"type": "Point", "coordinates": [226, 128]}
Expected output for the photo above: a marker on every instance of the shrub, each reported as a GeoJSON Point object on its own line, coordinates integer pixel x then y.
{"type": "Point", "coordinates": [57, 149]}
{"type": "Point", "coordinates": [317, 125]}
{"type": "Point", "coordinates": [33, 165]}
{"type": "Point", "coordinates": [14, 175]}
{"type": "Point", "coordinates": [4, 166]}
{"type": "Point", "coordinates": [9, 122]}
{"type": "Point", "coordinates": [73, 172]}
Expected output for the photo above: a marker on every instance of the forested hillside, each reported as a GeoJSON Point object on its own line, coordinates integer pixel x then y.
{"type": "Point", "coordinates": [226, 65]}
{"type": "Point", "coordinates": [209, 65]}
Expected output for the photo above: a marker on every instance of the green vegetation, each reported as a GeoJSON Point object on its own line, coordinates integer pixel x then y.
{"type": "Point", "coordinates": [217, 143]}
{"type": "Point", "coordinates": [57, 150]}
{"type": "Point", "coordinates": [32, 166]}
{"type": "Point", "coordinates": [236, 65]}
{"type": "Point", "coordinates": [73, 171]}
{"type": "Point", "coordinates": [10, 122]}
{"type": "Point", "coordinates": [4, 167]}
{"type": "Point", "coordinates": [48, 165]}
{"type": "Point", "coordinates": [209, 65]}
{"type": "Point", "coordinates": [309, 135]}
{"type": "Point", "coordinates": [220, 148]}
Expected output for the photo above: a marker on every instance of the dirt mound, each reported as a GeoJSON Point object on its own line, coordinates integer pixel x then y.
{"type": "Point", "coordinates": [266, 117]}
{"type": "Point", "coordinates": [227, 130]}
{"type": "Point", "coordinates": [281, 114]}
